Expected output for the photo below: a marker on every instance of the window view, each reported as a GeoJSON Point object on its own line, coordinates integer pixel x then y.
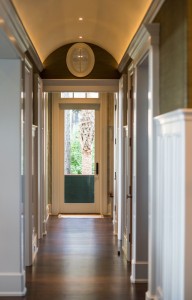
{"type": "Point", "coordinates": [79, 95]}
{"type": "Point", "coordinates": [79, 137]}
{"type": "Point", "coordinates": [79, 155]}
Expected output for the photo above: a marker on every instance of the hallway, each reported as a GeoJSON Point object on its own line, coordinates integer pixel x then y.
{"type": "Point", "coordinates": [78, 260]}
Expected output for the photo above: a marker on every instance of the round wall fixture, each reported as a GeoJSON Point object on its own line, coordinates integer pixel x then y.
{"type": "Point", "coordinates": [80, 59]}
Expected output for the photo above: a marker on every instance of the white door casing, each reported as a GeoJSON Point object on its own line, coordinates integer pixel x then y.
{"type": "Point", "coordinates": [79, 207]}
{"type": "Point", "coordinates": [28, 81]}
{"type": "Point", "coordinates": [57, 192]}
{"type": "Point", "coordinates": [115, 199]}
{"type": "Point", "coordinates": [146, 43]}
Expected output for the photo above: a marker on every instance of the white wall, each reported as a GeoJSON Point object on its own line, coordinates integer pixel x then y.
{"type": "Point", "coordinates": [12, 273]}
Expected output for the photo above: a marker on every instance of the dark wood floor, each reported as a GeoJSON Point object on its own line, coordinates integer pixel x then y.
{"type": "Point", "coordinates": [78, 259]}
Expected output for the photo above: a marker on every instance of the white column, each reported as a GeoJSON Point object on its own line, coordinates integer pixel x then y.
{"type": "Point", "coordinates": [38, 94]}
{"type": "Point", "coordinates": [153, 110]}
{"type": "Point", "coordinates": [28, 106]}
{"type": "Point", "coordinates": [12, 273]}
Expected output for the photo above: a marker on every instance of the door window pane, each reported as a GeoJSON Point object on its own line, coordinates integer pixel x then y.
{"type": "Point", "coordinates": [79, 155]}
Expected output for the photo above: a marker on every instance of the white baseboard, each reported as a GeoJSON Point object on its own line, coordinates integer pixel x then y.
{"type": "Point", "coordinates": [12, 284]}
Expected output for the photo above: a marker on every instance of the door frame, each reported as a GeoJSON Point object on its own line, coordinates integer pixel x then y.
{"type": "Point", "coordinates": [103, 151]}
{"type": "Point", "coordinates": [148, 40]}
{"type": "Point", "coordinates": [27, 142]}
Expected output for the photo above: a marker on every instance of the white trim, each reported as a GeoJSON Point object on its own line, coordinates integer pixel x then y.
{"type": "Point", "coordinates": [175, 116]}
{"type": "Point", "coordinates": [38, 95]}
{"type": "Point", "coordinates": [80, 207]}
{"type": "Point", "coordinates": [145, 44]}
{"type": "Point", "coordinates": [34, 193]}
{"type": "Point", "coordinates": [12, 284]}
{"type": "Point", "coordinates": [28, 100]}
{"type": "Point", "coordinates": [120, 175]}
{"type": "Point", "coordinates": [103, 155]}
{"type": "Point", "coordinates": [45, 162]}
{"type": "Point", "coordinates": [103, 151]}
{"type": "Point", "coordinates": [81, 85]}
{"type": "Point", "coordinates": [148, 36]}
{"type": "Point", "coordinates": [153, 111]}
{"type": "Point", "coordinates": [115, 163]}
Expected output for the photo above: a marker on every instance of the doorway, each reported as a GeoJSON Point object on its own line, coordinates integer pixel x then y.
{"type": "Point", "coordinates": [79, 154]}
{"type": "Point", "coordinates": [79, 158]}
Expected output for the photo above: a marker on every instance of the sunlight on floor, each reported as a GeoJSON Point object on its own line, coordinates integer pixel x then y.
{"type": "Point", "coordinates": [91, 216]}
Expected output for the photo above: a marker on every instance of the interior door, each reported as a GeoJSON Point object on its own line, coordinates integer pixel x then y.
{"type": "Point", "coordinates": [79, 159]}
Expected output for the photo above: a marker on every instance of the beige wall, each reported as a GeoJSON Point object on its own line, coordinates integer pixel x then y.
{"type": "Point", "coordinates": [173, 55]}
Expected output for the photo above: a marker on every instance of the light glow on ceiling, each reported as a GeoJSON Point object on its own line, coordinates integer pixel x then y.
{"type": "Point", "coordinates": [108, 26]}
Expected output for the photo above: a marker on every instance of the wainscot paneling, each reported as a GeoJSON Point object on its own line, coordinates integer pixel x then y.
{"type": "Point", "coordinates": [173, 251]}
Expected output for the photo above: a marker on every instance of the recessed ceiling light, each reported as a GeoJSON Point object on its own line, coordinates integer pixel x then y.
{"type": "Point", "coordinates": [80, 37]}
{"type": "Point", "coordinates": [12, 38]}
{"type": "Point", "coordinates": [80, 19]}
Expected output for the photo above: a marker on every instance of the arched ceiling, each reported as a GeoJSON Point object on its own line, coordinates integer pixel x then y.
{"type": "Point", "coordinates": [110, 24]}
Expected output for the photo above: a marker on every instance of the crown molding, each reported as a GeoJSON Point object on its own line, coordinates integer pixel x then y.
{"type": "Point", "coordinates": [148, 19]}
{"type": "Point", "coordinates": [147, 36]}
{"type": "Point", "coordinates": [13, 27]}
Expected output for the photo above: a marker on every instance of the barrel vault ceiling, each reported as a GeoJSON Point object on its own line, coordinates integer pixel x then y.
{"type": "Point", "coordinates": [110, 24]}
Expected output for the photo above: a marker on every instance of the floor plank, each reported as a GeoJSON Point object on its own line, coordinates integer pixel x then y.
{"type": "Point", "coordinates": [78, 259]}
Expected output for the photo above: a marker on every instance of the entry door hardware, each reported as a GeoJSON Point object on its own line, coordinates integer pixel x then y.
{"type": "Point", "coordinates": [97, 168]}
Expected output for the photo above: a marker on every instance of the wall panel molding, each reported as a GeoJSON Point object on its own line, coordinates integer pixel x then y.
{"type": "Point", "coordinates": [173, 240]}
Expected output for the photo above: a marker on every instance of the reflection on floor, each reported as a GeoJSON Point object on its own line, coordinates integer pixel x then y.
{"type": "Point", "coordinates": [78, 260]}
{"type": "Point", "coordinates": [95, 216]}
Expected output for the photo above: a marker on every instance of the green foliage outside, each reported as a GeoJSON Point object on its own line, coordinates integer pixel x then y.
{"type": "Point", "coordinates": [75, 155]}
